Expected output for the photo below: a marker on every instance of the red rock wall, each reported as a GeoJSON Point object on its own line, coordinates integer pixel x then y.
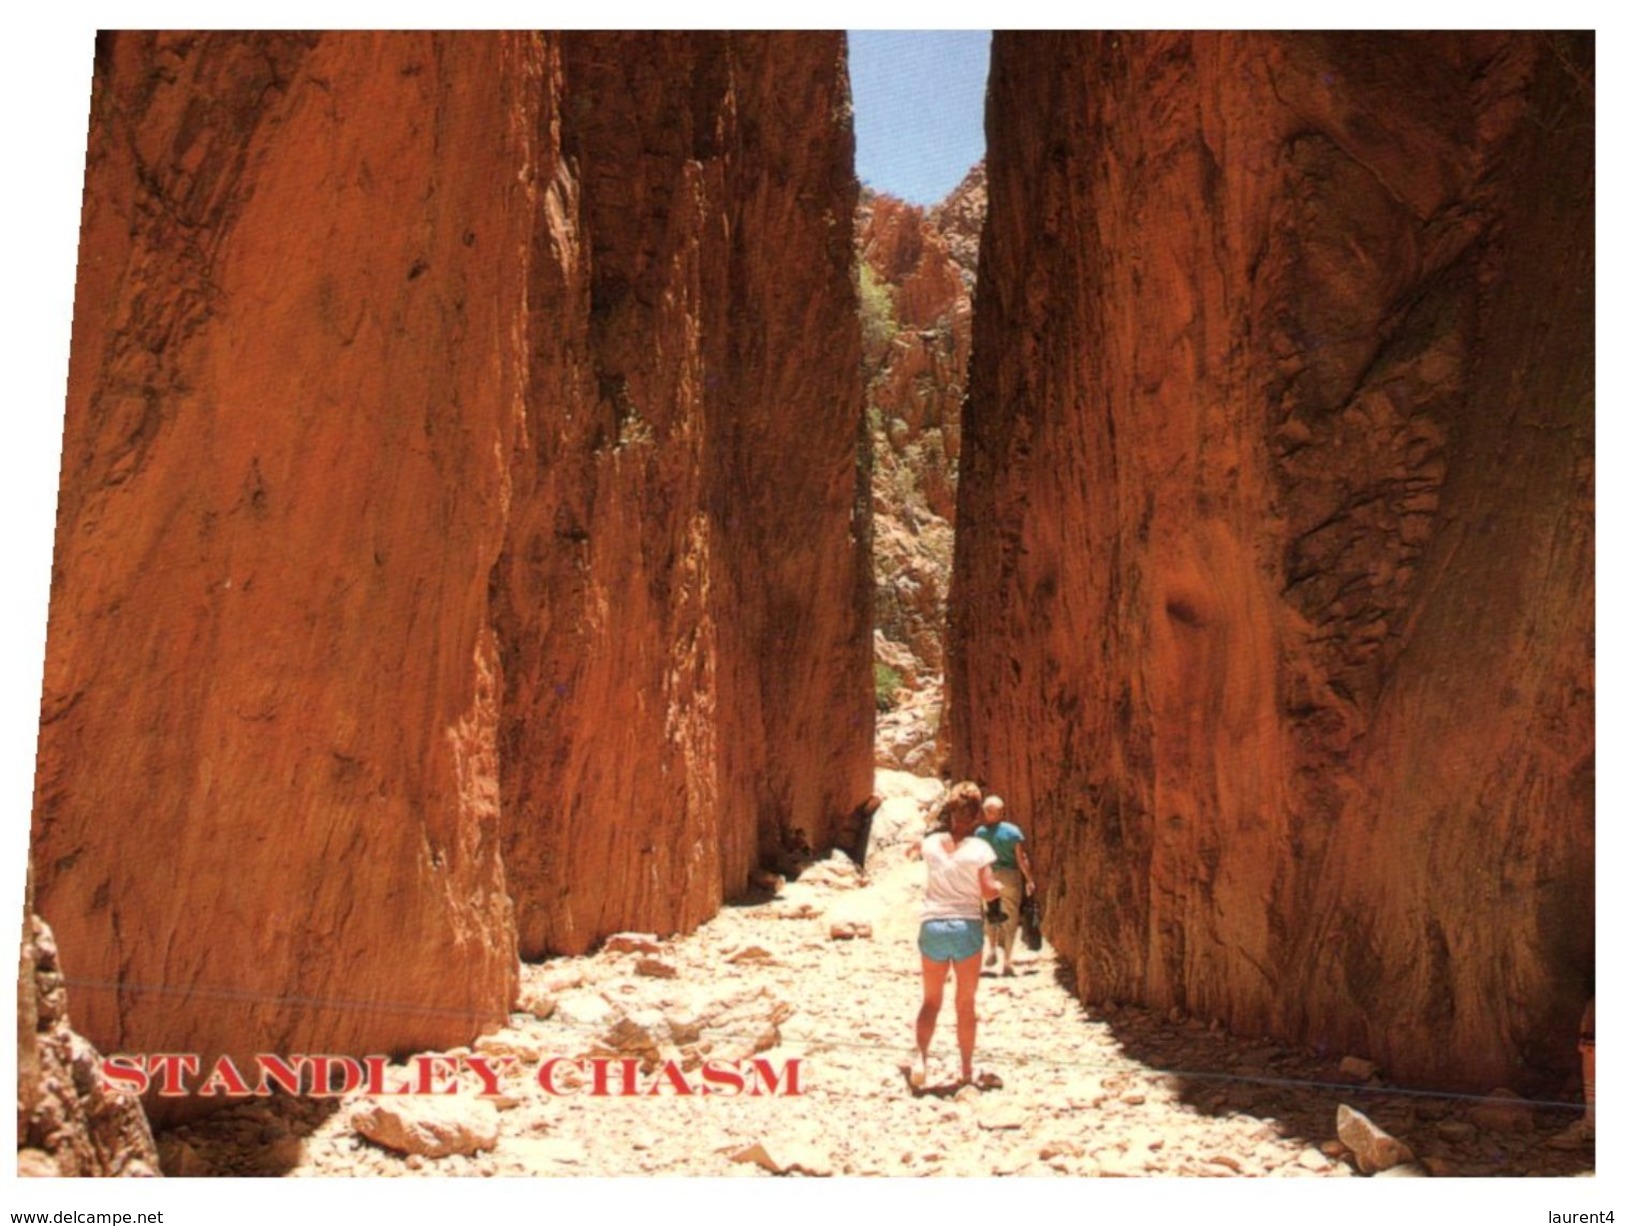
{"type": "Point", "coordinates": [1274, 574]}
{"type": "Point", "coordinates": [265, 807]}
{"type": "Point", "coordinates": [685, 606]}
{"type": "Point", "coordinates": [794, 607]}
{"type": "Point", "coordinates": [448, 472]}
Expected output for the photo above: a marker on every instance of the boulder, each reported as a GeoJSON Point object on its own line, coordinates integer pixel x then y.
{"type": "Point", "coordinates": [1373, 1149]}
{"type": "Point", "coordinates": [430, 1127]}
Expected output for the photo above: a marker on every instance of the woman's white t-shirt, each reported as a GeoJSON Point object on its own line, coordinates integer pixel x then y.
{"type": "Point", "coordinates": [952, 878]}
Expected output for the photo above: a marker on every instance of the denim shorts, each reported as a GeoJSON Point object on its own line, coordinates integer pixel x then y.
{"type": "Point", "coordinates": [951, 940]}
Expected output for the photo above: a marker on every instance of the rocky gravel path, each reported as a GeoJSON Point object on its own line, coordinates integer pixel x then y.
{"type": "Point", "coordinates": [824, 971]}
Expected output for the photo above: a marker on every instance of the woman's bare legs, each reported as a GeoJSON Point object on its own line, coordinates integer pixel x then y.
{"type": "Point", "coordinates": [967, 973]}
{"type": "Point", "coordinates": [925, 1025]}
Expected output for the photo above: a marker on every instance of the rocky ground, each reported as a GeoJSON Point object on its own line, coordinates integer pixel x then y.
{"type": "Point", "coordinates": [906, 734]}
{"type": "Point", "coordinates": [824, 970]}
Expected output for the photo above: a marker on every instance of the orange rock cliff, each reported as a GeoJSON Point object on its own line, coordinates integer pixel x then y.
{"type": "Point", "coordinates": [1273, 580]}
{"type": "Point", "coordinates": [457, 550]}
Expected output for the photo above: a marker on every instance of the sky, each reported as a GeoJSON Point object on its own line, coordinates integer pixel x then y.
{"type": "Point", "coordinates": [917, 108]}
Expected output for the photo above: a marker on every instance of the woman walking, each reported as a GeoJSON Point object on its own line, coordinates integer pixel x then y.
{"type": "Point", "coordinates": [958, 879]}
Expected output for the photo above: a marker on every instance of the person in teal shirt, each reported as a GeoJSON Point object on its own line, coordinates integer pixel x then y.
{"type": "Point", "coordinates": [1014, 874]}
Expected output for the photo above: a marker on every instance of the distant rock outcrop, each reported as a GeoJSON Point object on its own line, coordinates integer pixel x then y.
{"type": "Point", "coordinates": [1272, 606]}
{"type": "Point", "coordinates": [915, 278]}
{"type": "Point", "coordinates": [915, 390]}
{"type": "Point", "coordinates": [958, 218]}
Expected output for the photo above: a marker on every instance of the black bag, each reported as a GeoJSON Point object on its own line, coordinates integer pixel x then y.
{"type": "Point", "coordinates": [1032, 935]}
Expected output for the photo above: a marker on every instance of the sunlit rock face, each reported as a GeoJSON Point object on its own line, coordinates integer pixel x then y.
{"type": "Point", "coordinates": [459, 464]}
{"type": "Point", "coordinates": [1272, 606]}
{"type": "Point", "coordinates": [266, 809]}
{"type": "Point", "coordinates": [958, 218]}
{"type": "Point", "coordinates": [916, 366]}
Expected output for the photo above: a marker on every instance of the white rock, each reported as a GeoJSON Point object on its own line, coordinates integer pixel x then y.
{"type": "Point", "coordinates": [1002, 1115]}
{"type": "Point", "coordinates": [1113, 1165]}
{"type": "Point", "coordinates": [584, 1008]}
{"type": "Point", "coordinates": [1312, 1159]}
{"type": "Point", "coordinates": [1374, 1150]}
{"type": "Point", "coordinates": [898, 821]}
{"type": "Point", "coordinates": [539, 1153]}
{"type": "Point", "coordinates": [807, 1157]}
{"type": "Point", "coordinates": [836, 872]}
{"type": "Point", "coordinates": [536, 1002]}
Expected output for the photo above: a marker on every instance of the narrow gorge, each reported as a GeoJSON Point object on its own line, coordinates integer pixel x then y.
{"type": "Point", "coordinates": [917, 277]}
{"type": "Point", "coordinates": [480, 450]}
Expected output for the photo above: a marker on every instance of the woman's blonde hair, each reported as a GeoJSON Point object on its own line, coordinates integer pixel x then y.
{"type": "Point", "coordinates": [964, 798]}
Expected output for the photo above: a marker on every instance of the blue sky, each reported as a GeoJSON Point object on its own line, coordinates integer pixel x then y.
{"type": "Point", "coordinates": [917, 108]}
